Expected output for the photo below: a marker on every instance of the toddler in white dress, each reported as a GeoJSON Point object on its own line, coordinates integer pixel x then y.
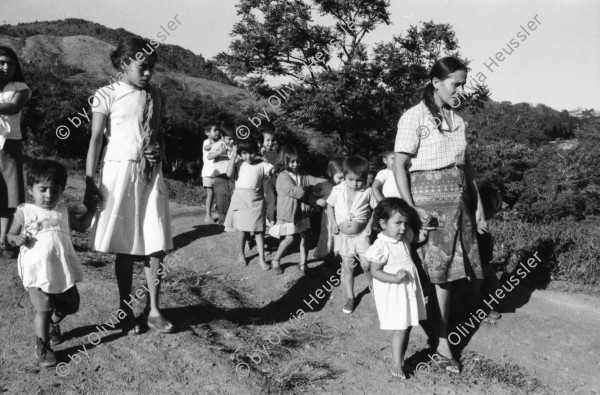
{"type": "Point", "coordinates": [397, 290]}
{"type": "Point", "coordinates": [47, 261]}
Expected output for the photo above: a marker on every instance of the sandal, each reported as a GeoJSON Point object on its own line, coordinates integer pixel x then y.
{"type": "Point", "coordinates": [450, 365]}
{"type": "Point", "coordinates": [160, 324]}
{"type": "Point", "coordinates": [134, 326]}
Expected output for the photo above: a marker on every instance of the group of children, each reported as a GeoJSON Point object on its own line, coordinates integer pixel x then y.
{"type": "Point", "coordinates": [352, 210]}
{"type": "Point", "coordinates": [247, 182]}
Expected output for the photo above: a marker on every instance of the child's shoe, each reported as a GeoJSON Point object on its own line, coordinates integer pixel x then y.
{"type": "Point", "coordinates": [44, 353]}
{"type": "Point", "coordinates": [349, 306]}
{"type": "Point", "coordinates": [55, 335]}
{"type": "Point", "coordinates": [493, 316]}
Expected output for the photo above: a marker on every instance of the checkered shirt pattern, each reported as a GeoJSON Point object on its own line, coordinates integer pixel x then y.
{"type": "Point", "coordinates": [430, 149]}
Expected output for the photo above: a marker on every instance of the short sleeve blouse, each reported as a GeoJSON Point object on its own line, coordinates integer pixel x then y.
{"type": "Point", "coordinates": [13, 121]}
{"type": "Point", "coordinates": [122, 104]}
{"type": "Point", "coordinates": [431, 149]}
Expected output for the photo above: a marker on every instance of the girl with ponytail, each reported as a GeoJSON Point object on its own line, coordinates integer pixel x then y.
{"type": "Point", "coordinates": [134, 222]}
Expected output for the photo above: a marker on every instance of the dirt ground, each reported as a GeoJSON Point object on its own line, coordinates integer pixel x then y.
{"type": "Point", "coordinates": [245, 331]}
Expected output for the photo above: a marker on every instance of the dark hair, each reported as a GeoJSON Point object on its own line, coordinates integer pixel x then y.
{"type": "Point", "coordinates": [267, 128]}
{"type": "Point", "coordinates": [8, 52]}
{"type": "Point", "coordinates": [248, 145]}
{"type": "Point", "coordinates": [490, 199]}
{"type": "Point", "coordinates": [357, 165]}
{"type": "Point", "coordinates": [388, 149]}
{"type": "Point", "coordinates": [440, 70]}
{"type": "Point", "coordinates": [209, 126]}
{"type": "Point", "coordinates": [388, 206]}
{"type": "Point", "coordinates": [227, 129]}
{"type": "Point", "coordinates": [128, 49]}
{"type": "Point", "coordinates": [285, 155]}
{"type": "Point", "coordinates": [334, 166]}
{"type": "Point", "coordinates": [46, 170]}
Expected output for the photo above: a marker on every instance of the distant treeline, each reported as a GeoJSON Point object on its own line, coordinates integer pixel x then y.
{"type": "Point", "coordinates": [173, 57]}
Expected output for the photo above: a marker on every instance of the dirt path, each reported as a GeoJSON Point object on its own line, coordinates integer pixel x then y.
{"type": "Point", "coordinates": [246, 331]}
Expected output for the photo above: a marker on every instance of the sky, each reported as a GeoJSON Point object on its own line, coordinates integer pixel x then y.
{"type": "Point", "coordinates": [557, 64]}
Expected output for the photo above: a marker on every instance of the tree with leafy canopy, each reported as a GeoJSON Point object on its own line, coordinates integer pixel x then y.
{"type": "Point", "coordinates": [337, 87]}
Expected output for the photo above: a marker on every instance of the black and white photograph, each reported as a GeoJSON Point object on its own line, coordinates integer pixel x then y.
{"type": "Point", "coordinates": [300, 197]}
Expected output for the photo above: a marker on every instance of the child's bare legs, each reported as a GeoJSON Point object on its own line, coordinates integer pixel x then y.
{"type": "Point", "coordinates": [209, 201]}
{"type": "Point", "coordinates": [364, 264]}
{"type": "Point", "coordinates": [241, 256]}
{"type": "Point", "coordinates": [41, 323]}
{"type": "Point", "coordinates": [348, 266]}
{"type": "Point", "coordinates": [303, 252]}
{"type": "Point", "coordinates": [399, 346]}
{"type": "Point", "coordinates": [260, 247]}
{"type": "Point", "coordinates": [283, 245]}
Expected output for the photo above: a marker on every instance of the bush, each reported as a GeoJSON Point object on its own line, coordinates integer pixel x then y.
{"type": "Point", "coordinates": [568, 249]}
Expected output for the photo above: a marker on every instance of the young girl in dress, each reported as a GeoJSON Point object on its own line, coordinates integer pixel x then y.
{"type": "Point", "coordinates": [398, 295]}
{"type": "Point", "coordinates": [320, 193]}
{"type": "Point", "coordinates": [47, 263]}
{"type": "Point", "coordinates": [292, 213]}
{"type": "Point", "coordinates": [246, 212]}
{"type": "Point", "coordinates": [134, 223]}
{"type": "Point", "coordinates": [14, 95]}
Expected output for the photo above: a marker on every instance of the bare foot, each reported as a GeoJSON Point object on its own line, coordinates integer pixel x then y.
{"type": "Point", "coordinates": [397, 371]}
{"type": "Point", "coordinates": [241, 260]}
{"type": "Point", "coordinates": [264, 265]}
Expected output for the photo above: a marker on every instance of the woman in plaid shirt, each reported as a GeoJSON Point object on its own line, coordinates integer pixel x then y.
{"type": "Point", "coordinates": [433, 174]}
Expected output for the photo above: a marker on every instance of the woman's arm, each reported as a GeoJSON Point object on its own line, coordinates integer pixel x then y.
{"type": "Point", "coordinates": [479, 214]}
{"type": "Point", "coordinates": [17, 103]}
{"type": "Point", "coordinates": [401, 176]}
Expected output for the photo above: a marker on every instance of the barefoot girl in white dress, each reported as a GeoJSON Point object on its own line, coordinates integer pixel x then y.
{"type": "Point", "coordinates": [398, 295]}
{"type": "Point", "coordinates": [134, 222]}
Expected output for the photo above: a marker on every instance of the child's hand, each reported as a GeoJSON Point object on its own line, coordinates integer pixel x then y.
{"type": "Point", "coordinates": [91, 203]}
{"type": "Point", "coordinates": [336, 229]}
{"type": "Point", "coordinates": [482, 227]}
{"type": "Point", "coordinates": [21, 240]}
{"type": "Point", "coordinates": [153, 154]}
{"type": "Point", "coordinates": [400, 276]}
{"type": "Point", "coordinates": [322, 202]}
{"type": "Point", "coordinates": [423, 234]}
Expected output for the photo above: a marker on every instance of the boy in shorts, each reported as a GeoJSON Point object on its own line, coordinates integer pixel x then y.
{"type": "Point", "coordinates": [212, 136]}
{"type": "Point", "coordinates": [349, 208]}
{"type": "Point", "coordinates": [220, 154]}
